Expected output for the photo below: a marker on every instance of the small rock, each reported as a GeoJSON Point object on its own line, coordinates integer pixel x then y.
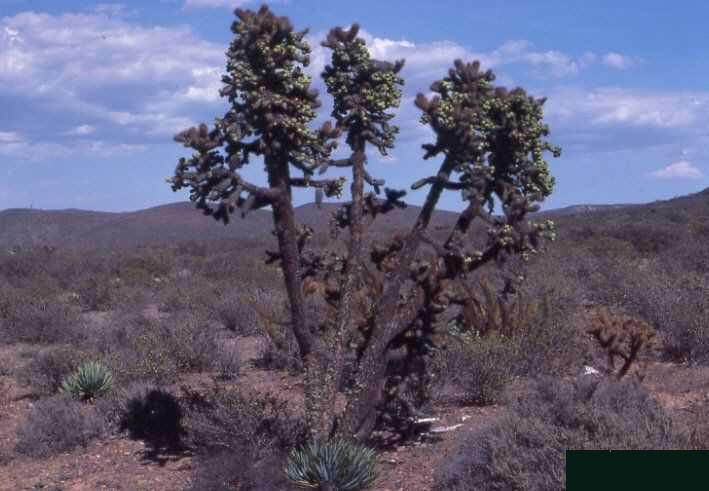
{"type": "Point", "coordinates": [444, 429]}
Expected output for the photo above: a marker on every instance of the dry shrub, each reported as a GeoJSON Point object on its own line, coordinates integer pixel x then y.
{"type": "Point", "coordinates": [241, 469]}
{"type": "Point", "coordinates": [522, 336]}
{"type": "Point", "coordinates": [58, 424]}
{"type": "Point", "coordinates": [140, 349]}
{"type": "Point", "coordinates": [46, 371]}
{"type": "Point", "coordinates": [36, 315]}
{"type": "Point", "coordinates": [526, 449]}
{"type": "Point", "coordinates": [230, 420]}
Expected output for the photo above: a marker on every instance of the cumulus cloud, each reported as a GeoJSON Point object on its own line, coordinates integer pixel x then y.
{"type": "Point", "coordinates": [114, 10]}
{"type": "Point", "coordinates": [46, 150]}
{"type": "Point", "coordinates": [96, 65]}
{"type": "Point", "coordinates": [552, 63]}
{"type": "Point", "coordinates": [84, 129]}
{"type": "Point", "coordinates": [97, 74]}
{"type": "Point", "coordinates": [621, 62]}
{"type": "Point", "coordinates": [7, 137]}
{"type": "Point", "coordinates": [678, 170]}
{"type": "Point", "coordinates": [613, 106]}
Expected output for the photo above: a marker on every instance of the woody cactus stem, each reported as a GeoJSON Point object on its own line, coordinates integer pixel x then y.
{"type": "Point", "coordinates": [272, 104]}
{"type": "Point", "coordinates": [363, 90]}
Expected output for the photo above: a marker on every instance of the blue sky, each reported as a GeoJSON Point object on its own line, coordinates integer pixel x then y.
{"type": "Point", "coordinates": [92, 93]}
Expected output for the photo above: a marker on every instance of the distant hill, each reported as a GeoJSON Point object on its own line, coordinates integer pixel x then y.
{"type": "Point", "coordinates": [178, 222]}
{"type": "Point", "coordinates": [166, 224]}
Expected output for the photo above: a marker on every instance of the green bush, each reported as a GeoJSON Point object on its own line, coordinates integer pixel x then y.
{"type": "Point", "coordinates": [91, 379]}
{"type": "Point", "coordinates": [339, 464]}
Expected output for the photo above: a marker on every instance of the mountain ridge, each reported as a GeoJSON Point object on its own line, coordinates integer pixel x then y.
{"type": "Point", "coordinates": [180, 221]}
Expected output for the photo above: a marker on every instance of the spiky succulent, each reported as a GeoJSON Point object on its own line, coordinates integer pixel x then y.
{"type": "Point", "coordinates": [338, 464]}
{"type": "Point", "coordinates": [91, 379]}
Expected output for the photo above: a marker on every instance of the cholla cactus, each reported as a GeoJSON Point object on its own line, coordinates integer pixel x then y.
{"type": "Point", "coordinates": [90, 380]}
{"type": "Point", "coordinates": [493, 142]}
{"type": "Point", "coordinates": [622, 336]}
{"type": "Point", "coordinates": [337, 465]}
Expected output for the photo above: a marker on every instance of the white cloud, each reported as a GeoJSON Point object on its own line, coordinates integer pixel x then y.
{"type": "Point", "coordinates": [553, 63]}
{"type": "Point", "coordinates": [84, 129]}
{"type": "Point", "coordinates": [7, 137]}
{"type": "Point", "coordinates": [587, 59]}
{"type": "Point", "coordinates": [613, 106]}
{"type": "Point", "coordinates": [40, 52]}
{"type": "Point", "coordinates": [45, 150]}
{"type": "Point", "coordinates": [427, 59]}
{"type": "Point", "coordinates": [158, 124]}
{"type": "Point", "coordinates": [621, 62]}
{"type": "Point", "coordinates": [143, 80]}
{"type": "Point", "coordinates": [678, 170]}
{"type": "Point", "coordinates": [114, 10]}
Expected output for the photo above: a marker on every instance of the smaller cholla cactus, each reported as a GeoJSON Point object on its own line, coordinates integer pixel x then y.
{"type": "Point", "coordinates": [336, 465]}
{"type": "Point", "coordinates": [90, 380]}
{"type": "Point", "coordinates": [622, 336]}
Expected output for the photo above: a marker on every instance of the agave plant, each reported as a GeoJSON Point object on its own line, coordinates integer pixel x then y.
{"type": "Point", "coordinates": [90, 380]}
{"type": "Point", "coordinates": [337, 465]}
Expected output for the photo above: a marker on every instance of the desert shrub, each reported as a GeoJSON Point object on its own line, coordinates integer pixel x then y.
{"type": "Point", "coordinates": [241, 468]}
{"type": "Point", "coordinates": [142, 357]}
{"type": "Point", "coordinates": [280, 357]}
{"type": "Point", "coordinates": [192, 248]}
{"type": "Point", "coordinates": [235, 313]}
{"type": "Point", "coordinates": [194, 296]}
{"type": "Point", "coordinates": [230, 420]}
{"type": "Point", "coordinates": [46, 371]}
{"type": "Point", "coordinates": [227, 364]}
{"type": "Point", "coordinates": [673, 303]}
{"type": "Point", "coordinates": [25, 265]}
{"type": "Point", "coordinates": [281, 350]}
{"type": "Point", "coordinates": [221, 266]}
{"type": "Point", "coordinates": [646, 237]}
{"type": "Point", "coordinates": [136, 348]}
{"type": "Point", "coordinates": [526, 449]}
{"type": "Point", "coordinates": [480, 368]}
{"type": "Point", "coordinates": [35, 315]}
{"type": "Point", "coordinates": [151, 261]}
{"type": "Point", "coordinates": [95, 295]}
{"type": "Point", "coordinates": [550, 345]}
{"type": "Point", "coordinates": [192, 343]}
{"type": "Point", "coordinates": [57, 424]}
{"type": "Point", "coordinates": [528, 335]}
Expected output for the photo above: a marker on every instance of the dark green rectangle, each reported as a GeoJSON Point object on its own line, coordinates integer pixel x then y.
{"type": "Point", "coordinates": [637, 469]}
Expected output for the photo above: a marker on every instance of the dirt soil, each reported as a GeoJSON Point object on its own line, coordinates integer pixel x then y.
{"type": "Point", "coordinates": [119, 463]}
